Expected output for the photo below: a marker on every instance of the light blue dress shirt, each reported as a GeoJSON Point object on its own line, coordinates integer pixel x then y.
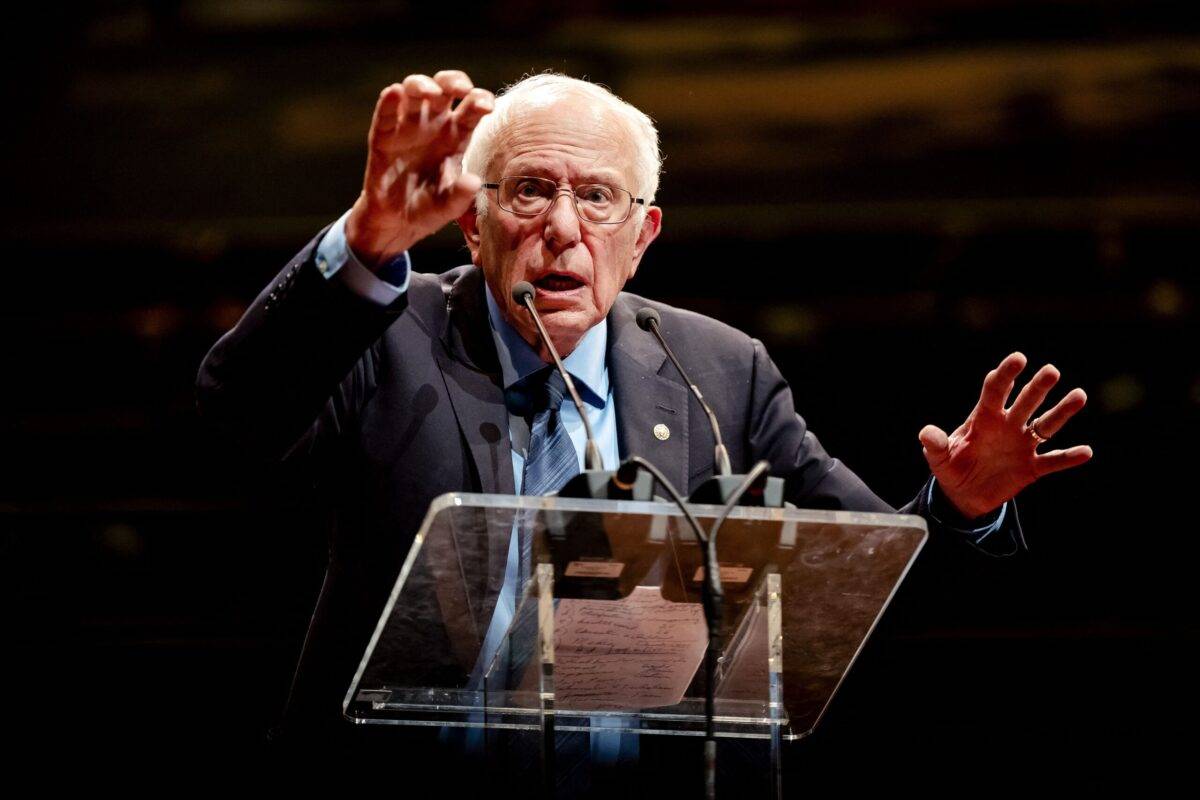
{"type": "Point", "coordinates": [588, 365]}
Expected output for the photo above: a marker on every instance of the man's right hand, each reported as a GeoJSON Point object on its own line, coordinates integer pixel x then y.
{"type": "Point", "coordinates": [414, 184]}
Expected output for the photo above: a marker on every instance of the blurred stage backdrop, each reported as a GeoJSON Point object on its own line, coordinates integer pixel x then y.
{"type": "Point", "coordinates": [892, 195]}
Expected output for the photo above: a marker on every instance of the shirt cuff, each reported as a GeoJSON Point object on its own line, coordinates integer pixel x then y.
{"type": "Point", "coordinates": [944, 514]}
{"type": "Point", "coordinates": [335, 258]}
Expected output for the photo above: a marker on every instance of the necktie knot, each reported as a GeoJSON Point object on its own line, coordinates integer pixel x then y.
{"type": "Point", "coordinates": [556, 389]}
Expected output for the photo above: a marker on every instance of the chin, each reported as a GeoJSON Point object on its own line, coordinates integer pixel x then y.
{"type": "Point", "coordinates": [567, 326]}
{"type": "Point", "coordinates": [569, 319]}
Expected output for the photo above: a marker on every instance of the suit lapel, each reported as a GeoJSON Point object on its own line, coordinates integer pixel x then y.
{"type": "Point", "coordinates": [646, 399]}
{"type": "Point", "coordinates": [467, 357]}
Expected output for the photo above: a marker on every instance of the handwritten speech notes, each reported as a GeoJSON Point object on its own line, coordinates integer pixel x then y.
{"type": "Point", "coordinates": [629, 654]}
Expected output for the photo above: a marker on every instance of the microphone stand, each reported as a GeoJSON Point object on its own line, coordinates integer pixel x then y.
{"type": "Point", "coordinates": [723, 486]}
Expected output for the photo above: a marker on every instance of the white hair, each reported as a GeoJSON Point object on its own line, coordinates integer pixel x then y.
{"type": "Point", "coordinates": [546, 88]}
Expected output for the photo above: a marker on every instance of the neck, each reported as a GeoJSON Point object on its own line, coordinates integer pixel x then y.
{"type": "Point", "coordinates": [564, 346]}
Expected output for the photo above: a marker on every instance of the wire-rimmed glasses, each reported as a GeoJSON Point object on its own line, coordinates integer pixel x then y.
{"type": "Point", "coordinates": [528, 196]}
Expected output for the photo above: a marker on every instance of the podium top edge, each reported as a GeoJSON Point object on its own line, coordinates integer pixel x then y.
{"type": "Point", "coordinates": [553, 503]}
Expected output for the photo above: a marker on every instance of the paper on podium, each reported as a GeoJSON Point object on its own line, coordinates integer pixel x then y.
{"type": "Point", "coordinates": [623, 655]}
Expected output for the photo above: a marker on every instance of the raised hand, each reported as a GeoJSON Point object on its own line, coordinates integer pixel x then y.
{"type": "Point", "coordinates": [993, 454]}
{"type": "Point", "coordinates": [413, 183]}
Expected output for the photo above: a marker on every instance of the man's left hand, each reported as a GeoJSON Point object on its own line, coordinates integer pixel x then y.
{"type": "Point", "coordinates": [993, 455]}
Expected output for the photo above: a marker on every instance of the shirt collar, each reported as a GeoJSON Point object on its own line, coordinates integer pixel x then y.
{"type": "Point", "coordinates": [518, 360]}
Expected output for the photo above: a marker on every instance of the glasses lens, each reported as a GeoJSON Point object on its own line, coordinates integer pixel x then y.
{"type": "Point", "coordinates": [528, 196]}
{"type": "Point", "coordinates": [600, 203]}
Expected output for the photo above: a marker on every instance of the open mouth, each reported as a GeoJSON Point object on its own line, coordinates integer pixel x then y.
{"type": "Point", "coordinates": [557, 282]}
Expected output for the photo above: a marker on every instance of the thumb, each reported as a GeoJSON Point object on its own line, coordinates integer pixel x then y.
{"type": "Point", "coordinates": [935, 444]}
{"type": "Point", "coordinates": [458, 196]}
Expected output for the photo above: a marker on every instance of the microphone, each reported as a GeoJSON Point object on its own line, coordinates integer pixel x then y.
{"type": "Point", "coordinates": [523, 294]}
{"type": "Point", "coordinates": [723, 487]}
{"type": "Point", "coordinates": [648, 319]}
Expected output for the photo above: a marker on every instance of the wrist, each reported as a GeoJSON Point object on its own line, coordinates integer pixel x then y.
{"type": "Point", "coordinates": [373, 245]}
{"type": "Point", "coordinates": [967, 513]}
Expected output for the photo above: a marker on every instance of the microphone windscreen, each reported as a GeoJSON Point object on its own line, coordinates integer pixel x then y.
{"type": "Point", "coordinates": [645, 316]}
{"type": "Point", "coordinates": [521, 290]}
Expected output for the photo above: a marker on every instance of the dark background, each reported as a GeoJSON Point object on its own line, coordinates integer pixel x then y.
{"type": "Point", "coordinates": [892, 195]}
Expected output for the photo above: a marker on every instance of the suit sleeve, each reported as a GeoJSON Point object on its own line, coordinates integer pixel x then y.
{"type": "Point", "coordinates": [299, 361]}
{"type": "Point", "coordinates": [817, 480]}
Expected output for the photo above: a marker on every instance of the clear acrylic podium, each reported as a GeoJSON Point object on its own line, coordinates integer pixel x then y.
{"type": "Point", "coordinates": [535, 616]}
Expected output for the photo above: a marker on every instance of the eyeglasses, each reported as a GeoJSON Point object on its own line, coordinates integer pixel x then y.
{"type": "Point", "coordinates": [594, 202]}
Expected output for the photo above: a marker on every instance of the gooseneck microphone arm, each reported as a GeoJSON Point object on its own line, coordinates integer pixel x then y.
{"type": "Point", "coordinates": [523, 294]}
{"type": "Point", "coordinates": [648, 320]}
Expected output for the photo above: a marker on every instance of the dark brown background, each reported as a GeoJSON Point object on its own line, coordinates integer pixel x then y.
{"type": "Point", "coordinates": [892, 195]}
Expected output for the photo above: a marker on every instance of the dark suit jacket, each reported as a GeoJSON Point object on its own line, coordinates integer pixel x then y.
{"type": "Point", "coordinates": [393, 406]}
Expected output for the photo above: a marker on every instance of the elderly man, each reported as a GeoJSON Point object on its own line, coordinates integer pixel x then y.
{"type": "Point", "coordinates": [392, 385]}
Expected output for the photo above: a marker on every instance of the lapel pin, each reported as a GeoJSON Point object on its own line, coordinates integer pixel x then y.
{"type": "Point", "coordinates": [662, 432]}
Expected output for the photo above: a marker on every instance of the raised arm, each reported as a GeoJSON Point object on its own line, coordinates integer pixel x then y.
{"type": "Point", "coordinates": [299, 349]}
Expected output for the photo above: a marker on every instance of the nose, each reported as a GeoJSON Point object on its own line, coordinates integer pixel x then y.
{"type": "Point", "coordinates": [561, 231]}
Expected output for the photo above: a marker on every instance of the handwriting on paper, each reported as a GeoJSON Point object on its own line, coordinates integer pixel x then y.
{"type": "Point", "coordinates": [623, 655]}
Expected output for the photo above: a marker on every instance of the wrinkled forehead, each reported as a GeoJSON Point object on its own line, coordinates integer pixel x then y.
{"type": "Point", "coordinates": [566, 137]}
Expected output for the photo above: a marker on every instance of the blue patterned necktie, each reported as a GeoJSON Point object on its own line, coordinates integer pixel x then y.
{"type": "Point", "coordinates": [551, 459]}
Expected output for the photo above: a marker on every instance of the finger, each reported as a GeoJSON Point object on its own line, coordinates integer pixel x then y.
{"type": "Point", "coordinates": [461, 195]}
{"type": "Point", "coordinates": [423, 98]}
{"type": "Point", "coordinates": [384, 121]}
{"type": "Point", "coordinates": [381, 140]}
{"type": "Point", "coordinates": [475, 106]}
{"type": "Point", "coordinates": [935, 445]}
{"type": "Point", "coordinates": [998, 384]}
{"type": "Point", "coordinates": [1052, 421]}
{"type": "Point", "coordinates": [455, 83]}
{"type": "Point", "coordinates": [1058, 460]}
{"type": "Point", "coordinates": [452, 202]}
{"type": "Point", "coordinates": [1033, 394]}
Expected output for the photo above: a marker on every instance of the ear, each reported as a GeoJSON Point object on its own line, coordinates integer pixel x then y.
{"type": "Point", "coordinates": [651, 227]}
{"type": "Point", "coordinates": [469, 223]}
